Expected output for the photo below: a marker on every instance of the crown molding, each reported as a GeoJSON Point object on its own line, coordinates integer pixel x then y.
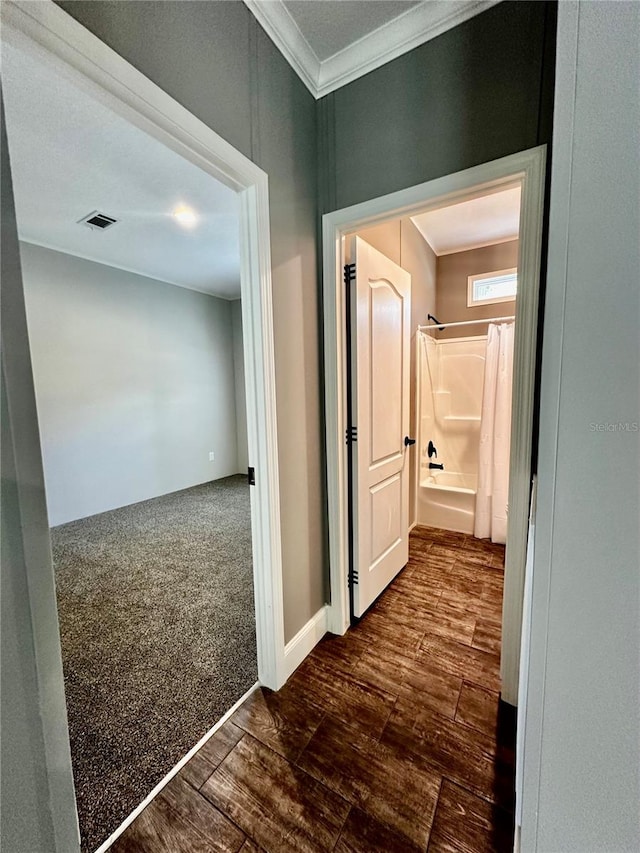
{"type": "Point", "coordinates": [471, 247]}
{"type": "Point", "coordinates": [283, 31]}
{"type": "Point", "coordinates": [409, 30]}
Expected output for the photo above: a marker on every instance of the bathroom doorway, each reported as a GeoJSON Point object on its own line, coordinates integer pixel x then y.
{"type": "Point", "coordinates": [464, 367]}
{"type": "Point", "coordinates": [520, 173]}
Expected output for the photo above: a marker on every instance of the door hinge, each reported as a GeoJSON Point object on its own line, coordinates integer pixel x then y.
{"type": "Point", "coordinates": [349, 273]}
{"type": "Point", "coordinates": [251, 476]}
{"type": "Point", "coordinates": [353, 577]}
{"type": "Point", "coordinates": [351, 434]}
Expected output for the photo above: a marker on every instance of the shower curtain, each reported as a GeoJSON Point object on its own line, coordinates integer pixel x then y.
{"type": "Point", "coordinates": [495, 436]}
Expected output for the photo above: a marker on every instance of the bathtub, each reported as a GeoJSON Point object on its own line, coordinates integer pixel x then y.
{"type": "Point", "coordinates": [446, 499]}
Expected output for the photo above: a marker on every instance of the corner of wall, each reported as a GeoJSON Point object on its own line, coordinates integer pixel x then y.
{"type": "Point", "coordinates": [304, 642]}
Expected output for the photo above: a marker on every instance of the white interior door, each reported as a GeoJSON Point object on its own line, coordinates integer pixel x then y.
{"type": "Point", "coordinates": [380, 339]}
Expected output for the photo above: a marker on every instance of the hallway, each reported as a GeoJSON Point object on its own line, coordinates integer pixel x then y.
{"type": "Point", "coordinates": [391, 738]}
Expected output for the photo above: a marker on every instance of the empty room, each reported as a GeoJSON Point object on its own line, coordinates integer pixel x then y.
{"type": "Point", "coordinates": [131, 264]}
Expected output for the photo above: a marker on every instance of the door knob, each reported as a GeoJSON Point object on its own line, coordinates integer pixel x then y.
{"type": "Point", "coordinates": [408, 441]}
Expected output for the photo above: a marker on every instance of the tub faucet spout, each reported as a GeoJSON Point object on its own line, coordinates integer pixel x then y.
{"type": "Point", "coordinates": [436, 465]}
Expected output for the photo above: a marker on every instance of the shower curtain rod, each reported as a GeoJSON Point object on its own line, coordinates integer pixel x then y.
{"type": "Point", "coordinates": [464, 323]}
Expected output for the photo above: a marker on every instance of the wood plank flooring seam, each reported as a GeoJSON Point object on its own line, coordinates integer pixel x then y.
{"type": "Point", "coordinates": [279, 757]}
{"type": "Point", "coordinates": [458, 700]}
{"type": "Point", "coordinates": [228, 817]}
{"type": "Point", "coordinates": [476, 793]}
{"type": "Point", "coordinates": [203, 829]}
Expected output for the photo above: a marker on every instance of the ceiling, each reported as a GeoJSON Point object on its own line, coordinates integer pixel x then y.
{"type": "Point", "coordinates": [339, 23]}
{"type": "Point", "coordinates": [472, 224]}
{"type": "Point", "coordinates": [70, 155]}
{"type": "Point", "coordinates": [332, 42]}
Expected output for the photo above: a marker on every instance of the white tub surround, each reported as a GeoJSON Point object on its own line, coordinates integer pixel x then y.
{"type": "Point", "coordinates": [450, 378]}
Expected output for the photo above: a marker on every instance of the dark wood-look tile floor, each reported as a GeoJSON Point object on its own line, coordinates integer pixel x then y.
{"type": "Point", "coordinates": [391, 738]}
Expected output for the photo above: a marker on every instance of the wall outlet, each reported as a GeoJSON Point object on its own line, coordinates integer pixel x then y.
{"type": "Point", "coordinates": [212, 456]}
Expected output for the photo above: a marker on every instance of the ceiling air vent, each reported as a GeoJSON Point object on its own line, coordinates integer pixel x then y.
{"type": "Point", "coordinates": [97, 221]}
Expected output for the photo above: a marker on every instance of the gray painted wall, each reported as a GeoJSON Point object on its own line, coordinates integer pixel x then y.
{"type": "Point", "coordinates": [477, 92]}
{"type": "Point", "coordinates": [38, 807]}
{"type": "Point", "coordinates": [582, 742]}
{"type": "Point", "coordinates": [134, 380]}
{"type": "Point", "coordinates": [216, 60]}
{"type": "Point", "coordinates": [26, 819]}
{"type": "Point", "coordinates": [241, 396]}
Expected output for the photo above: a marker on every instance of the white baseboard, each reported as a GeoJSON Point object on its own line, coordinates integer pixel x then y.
{"type": "Point", "coordinates": [305, 640]}
{"type": "Point", "coordinates": [134, 814]}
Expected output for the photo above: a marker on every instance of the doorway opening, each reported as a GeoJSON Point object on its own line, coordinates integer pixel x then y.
{"type": "Point", "coordinates": [464, 367]}
{"type": "Point", "coordinates": [522, 173]}
{"type": "Point", "coordinates": [153, 365]}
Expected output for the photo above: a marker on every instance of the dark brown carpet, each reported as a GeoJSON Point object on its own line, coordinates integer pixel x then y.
{"type": "Point", "coordinates": [158, 638]}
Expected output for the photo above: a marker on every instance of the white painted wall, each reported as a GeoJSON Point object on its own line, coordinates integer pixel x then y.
{"type": "Point", "coordinates": [241, 398]}
{"type": "Point", "coordinates": [582, 740]}
{"type": "Point", "coordinates": [135, 383]}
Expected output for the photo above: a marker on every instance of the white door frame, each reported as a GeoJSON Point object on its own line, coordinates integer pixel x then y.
{"type": "Point", "coordinates": [528, 167]}
{"type": "Point", "coordinates": [45, 29]}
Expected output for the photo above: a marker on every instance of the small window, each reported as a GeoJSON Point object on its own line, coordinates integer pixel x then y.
{"type": "Point", "coordinates": [490, 287]}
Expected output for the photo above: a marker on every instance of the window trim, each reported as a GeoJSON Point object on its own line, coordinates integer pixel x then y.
{"type": "Point", "coordinates": [474, 303]}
